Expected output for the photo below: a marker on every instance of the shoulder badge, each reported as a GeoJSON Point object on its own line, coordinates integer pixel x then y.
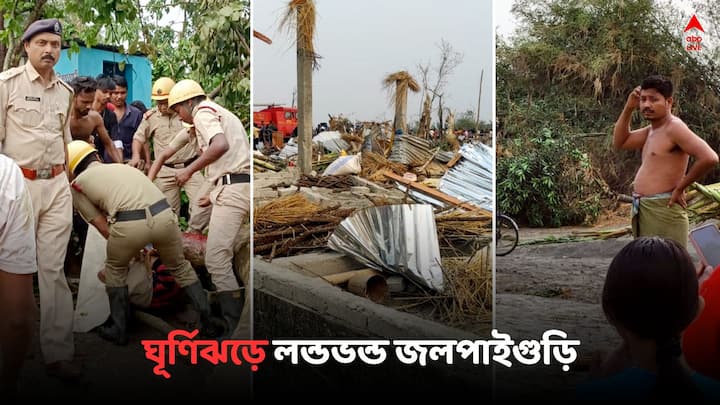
{"type": "Point", "coordinates": [207, 107]}
{"type": "Point", "coordinates": [76, 187]}
{"type": "Point", "coordinates": [149, 113]}
{"type": "Point", "coordinates": [12, 72]}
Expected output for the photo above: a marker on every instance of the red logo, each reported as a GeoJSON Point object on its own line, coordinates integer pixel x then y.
{"type": "Point", "coordinates": [694, 23]}
{"type": "Point", "coordinates": [692, 37]}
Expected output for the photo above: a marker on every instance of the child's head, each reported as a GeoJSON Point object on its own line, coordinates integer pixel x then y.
{"type": "Point", "coordinates": [651, 289]}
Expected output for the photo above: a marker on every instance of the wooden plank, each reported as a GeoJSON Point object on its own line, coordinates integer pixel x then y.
{"type": "Point", "coordinates": [454, 160]}
{"type": "Point", "coordinates": [439, 195]}
{"type": "Point", "coordinates": [344, 277]}
{"type": "Point", "coordinates": [424, 166]}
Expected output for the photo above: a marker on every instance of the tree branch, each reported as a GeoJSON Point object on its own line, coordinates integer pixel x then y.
{"type": "Point", "coordinates": [13, 58]}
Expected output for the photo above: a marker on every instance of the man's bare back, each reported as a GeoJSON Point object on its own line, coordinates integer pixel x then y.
{"type": "Point", "coordinates": [664, 163]}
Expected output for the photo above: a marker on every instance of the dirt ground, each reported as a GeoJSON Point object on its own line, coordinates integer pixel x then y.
{"type": "Point", "coordinates": [555, 286]}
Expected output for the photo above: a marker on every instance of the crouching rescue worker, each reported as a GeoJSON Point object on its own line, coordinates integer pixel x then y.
{"type": "Point", "coordinates": [139, 215]}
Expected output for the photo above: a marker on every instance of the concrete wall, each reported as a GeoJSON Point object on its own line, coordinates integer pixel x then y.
{"type": "Point", "coordinates": [89, 62]}
{"type": "Point", "coordinates": [289, 305]}
{"type": "Point", "coordinates": [346, 313]}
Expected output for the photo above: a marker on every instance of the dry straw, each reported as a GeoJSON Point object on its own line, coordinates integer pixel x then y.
{"type": "Point", "coordinates": [300, 18]}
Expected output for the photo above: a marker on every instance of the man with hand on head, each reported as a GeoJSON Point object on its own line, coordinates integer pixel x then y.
{"type": "Point", "coordinates": [666, 144]}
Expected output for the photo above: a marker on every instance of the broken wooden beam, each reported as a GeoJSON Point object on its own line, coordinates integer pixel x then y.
{"type": "Point", "coordinates": [344, 277]}
{"type": "Point", "coordinates": [438, 195]}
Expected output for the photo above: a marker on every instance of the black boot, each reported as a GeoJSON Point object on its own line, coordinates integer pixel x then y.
{"type": "Point", "coordinates": [197, 295]}
{"type": "Point", "coordinates": [231, 309]}
{"type": "Point", "coordinates": [119, 314]}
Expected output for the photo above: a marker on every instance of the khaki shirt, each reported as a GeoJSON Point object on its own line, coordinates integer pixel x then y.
{"type": "Point", "coordinates": [105, 189]}
{"type": "Point", "coordinates": [182, 139]}
{"type": "Point", "coordinates": [161, 128]}
{"type": "Point", "coordinates": [211, 119]}
{"type": "Point", "coordinates": [34, 124]}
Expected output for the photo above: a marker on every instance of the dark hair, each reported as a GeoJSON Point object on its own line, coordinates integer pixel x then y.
{"type": "Point", "coordinates": [139, 105]}
{"type": "Point", "coordinates": [93, 157]}
{"type": "Point", "coordinates": [105, 83]}
{"type": "Point", "coordinates": [651, 290]}
{"type": "Point", "coordinates": [194, 101]}
{"type": "Point", "coordinates": [83, 84]}
{"type": "Point", "coordinates": [659, 83]}
{"type": "Point", "coordinates": [120, 81]}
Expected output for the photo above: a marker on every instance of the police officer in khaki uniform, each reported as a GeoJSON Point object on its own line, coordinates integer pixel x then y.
{"type": "Point", "coordinates": [34, 129]}
{"type": "Point", "coordinates": [226, 154]}
{"type": "Point", "coordinates": [161, 124]}
{"type": "Point", "coordinates": [140, 215]}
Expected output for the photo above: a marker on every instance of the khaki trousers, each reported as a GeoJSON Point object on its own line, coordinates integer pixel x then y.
{"type": "Point", "coordinates": [127, 238]}
{"type": "Point", "coordinates": [195, 188]}
{"type": "Point", "coordinates": [52, 206]}
{"type": "Point", "coordinates": [230, 207]}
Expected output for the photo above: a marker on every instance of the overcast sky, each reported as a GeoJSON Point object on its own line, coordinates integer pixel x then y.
{"type": "Point", "coordinates": [505, 22]}
{"type": "Point", "coordinates": [361, 42]}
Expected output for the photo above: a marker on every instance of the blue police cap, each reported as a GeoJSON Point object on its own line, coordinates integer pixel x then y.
{"type": "Point", "coordinates": [51, 25]}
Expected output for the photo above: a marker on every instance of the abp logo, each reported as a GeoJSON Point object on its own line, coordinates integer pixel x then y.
{"type": "Point", "coordinates": [692, 35]}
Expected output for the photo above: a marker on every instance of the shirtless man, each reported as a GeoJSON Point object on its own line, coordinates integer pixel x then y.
{"type": "Point", "coordinates": [667, 144]}
{"type": "Point", "coordinates": [85, 123]}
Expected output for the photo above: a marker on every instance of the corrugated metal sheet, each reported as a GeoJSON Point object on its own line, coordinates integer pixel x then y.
{"type": "Point", "coordinates": [471, 179]}
{"type": "Point", "coordinates": [395, 238]}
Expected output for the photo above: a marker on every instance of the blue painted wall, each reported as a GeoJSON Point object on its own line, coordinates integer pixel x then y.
{"type": "Point", "coordinates": [90, 62]}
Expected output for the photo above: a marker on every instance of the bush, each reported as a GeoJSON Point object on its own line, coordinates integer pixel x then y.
{"type": "Point", "coordinates": [548, 181]}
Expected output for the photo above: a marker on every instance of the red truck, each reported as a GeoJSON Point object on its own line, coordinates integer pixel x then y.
{"type": "Point", "coordinates": [276, 118]}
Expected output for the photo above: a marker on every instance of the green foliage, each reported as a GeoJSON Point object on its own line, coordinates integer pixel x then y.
{"type": "Point", "coordinates": [465, 120]}
{"type": "Point", "coordinates": [83, 20]}
{"type": "Point", "coordinates": [548, 183]}
{"type": "Point", "coordinates": [212, 48]}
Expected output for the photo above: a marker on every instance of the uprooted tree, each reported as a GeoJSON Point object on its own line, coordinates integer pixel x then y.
{"type": "Point", "coordinates": [562, 82]}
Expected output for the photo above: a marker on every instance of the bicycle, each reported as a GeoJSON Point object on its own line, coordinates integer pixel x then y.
{"type": "Point", "coordinates": [507, 234]}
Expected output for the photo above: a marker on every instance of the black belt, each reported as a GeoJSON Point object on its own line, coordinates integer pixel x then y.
{"type": "Point", "coordinates": [233, 178]}
{"type": "Point", "coordinates": [181, 165]}
{"type": "Point", "coordinates": [134, 215]}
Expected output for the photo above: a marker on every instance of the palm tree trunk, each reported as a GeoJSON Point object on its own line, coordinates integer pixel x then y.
{"type": "Point", "coordinates": [304, 128]}
{"type": "Point", "coordinates": [400, 112]}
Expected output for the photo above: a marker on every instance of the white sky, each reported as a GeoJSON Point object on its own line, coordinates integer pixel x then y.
{"type": "Point", "coordinates": [361, 42]}
{"type": "Point", "coordinates": [505, 21]}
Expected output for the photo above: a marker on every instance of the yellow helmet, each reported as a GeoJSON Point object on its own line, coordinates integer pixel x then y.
{"type": "Point", "coordinates": [184, 90]}
{"type": "Point", "coordinates": [77, 151]}
{"type": "Point", "coordinates": [161, 88]}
